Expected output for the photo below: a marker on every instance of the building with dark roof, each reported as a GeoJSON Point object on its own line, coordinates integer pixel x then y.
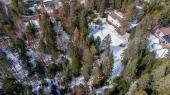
{"type": "Point", "coordinates": [164, 32]}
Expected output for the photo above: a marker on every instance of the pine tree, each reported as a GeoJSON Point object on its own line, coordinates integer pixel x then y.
{"type": "Point", "coordinates": [39, 69]}
{"type": "Point", "coordinates": [23, 55]}
{"type": "Point", "coordinates": [87, 63]}
{"type": "Point", "coordinates": [106, 42]}
{"type": "Point", "coordinates": [11, 87]}
{"type": "Point", "coordinates": [164, 19]}
{"type": "Point", "coordinates": [66, 72]}
{"type": "Point", "coordinates": [90, 5]}
{"type": "Point", "coordinates": [83, 25]}
{"type": "Point", "coordinates": [31, 29]}
{"type": "Point", "coordinates": [48, 41]}
{"type": "Point", "coordinates": [76, 57]}
{"type": "Point", "coordinates": [52, 69]}
{"type": "Point", "coordinates": [130, 14]}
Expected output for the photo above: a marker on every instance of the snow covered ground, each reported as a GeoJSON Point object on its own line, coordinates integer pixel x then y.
{"type": "Point", "coordinates": [116, 41]}
{"type": "Point", "coordinates": [36, 86]}
{"type": "Point", "coordinates": [20, 73]}
{"type": "Point", "coordinates": [154, 45]}
{"type": "Point", "coordinates": [77, 81]}
{"type": "Point", "coordinates": [101, 90]}
{"type": "Point", "coordinates": [102, 31]}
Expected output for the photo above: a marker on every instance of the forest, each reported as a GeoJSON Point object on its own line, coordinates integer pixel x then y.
{"type": "Point", "coordinates": [84, 47]}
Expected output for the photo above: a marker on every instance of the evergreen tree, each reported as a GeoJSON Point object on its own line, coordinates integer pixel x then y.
{"type": "Point", "coordinates": [76, 57]}
{"type": "Point", "coordinates": [39, 69]}
{"type": "Point", "coordinates": [52, 69]}
{"type": "Point", "coordinates": [31, 29]}
{"type": "Point", "coordinates": [106, 42]}
{"type": "Point", "coordinates": [67, 72]}
{"type": "Point", "coordinates": [164, 19]}
{"type": "Point", "coordinates": [90, 5]}
{"type": "Point", "coordinates": [83, 26]}
{"type": "Point", "coordinates": [11, 87]}
{"type": "Point", "coordinates": [87, 63]}
{"type": "Point", "coordinates": [130, 14]}
{"type": "Point", "coordinates": [23, 55]}
{"type": "Point", "coordinates": [49, 37]}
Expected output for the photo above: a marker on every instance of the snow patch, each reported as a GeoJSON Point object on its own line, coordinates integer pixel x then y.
{"type": "Point", "coordinates": [77, 81]}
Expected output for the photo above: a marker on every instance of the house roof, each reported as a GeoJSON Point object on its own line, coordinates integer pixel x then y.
{"type": "Point", "coordinates": [47, 0]}
{"type": "Point", "coordinates": [117, 15]}
{"type": "Point", "coordinates": [165, 30]}
{"type": "Point", "coordinates": [167, 38]}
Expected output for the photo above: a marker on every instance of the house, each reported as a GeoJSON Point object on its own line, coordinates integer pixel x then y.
{"type": "Point", "coordinates": [164, 34]}
{"type": "Point", "coordinates": [31, 2]}
{"type": "Point", "coordinates": [83, 1]}
{"type": "Point", "coordinates": [150, 1]}
{"type": "Point", "coordinates": [31, 6]}
{"type": "Point", "coordinates": [7, 2]}
{"type": "Point", "coordinates": [50, 5]}
{"type": "Point", "coordinates": [115, 18]}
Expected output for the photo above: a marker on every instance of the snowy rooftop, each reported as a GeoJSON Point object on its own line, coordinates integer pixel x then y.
{"type": "Point", "coordinates": [115, 18]}
{"type": "Point", "coordinates": [82, 1]}
{"type": "Point", "coordinates": [139, 7]}
{"type": "Point", "coordinates": [148, 1]}
{"type": "Point", "coordinates": [119, 14]}
{"type": "Point", "coordinates": [47, 0]}
{"type": "Point", "coordinates": [154, 45]}
{"type": "Point", "coordinates": [115, 22]}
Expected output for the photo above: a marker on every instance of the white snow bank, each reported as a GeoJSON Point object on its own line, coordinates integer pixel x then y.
{"type": "Point", "coordinates": [155, 46]}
